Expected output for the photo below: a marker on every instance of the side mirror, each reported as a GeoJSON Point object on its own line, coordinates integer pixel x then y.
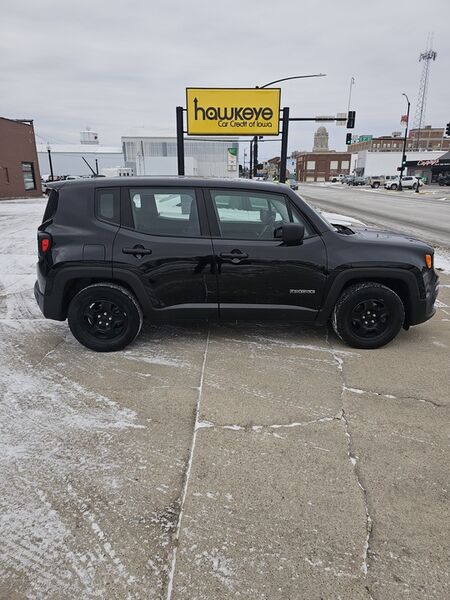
{"type": "Point", "coordinates": [292, 234]}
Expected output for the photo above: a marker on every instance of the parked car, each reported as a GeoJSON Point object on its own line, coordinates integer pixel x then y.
{"type": "Point", "coordinates": [376, 181]}
{"type": "Point", "coordinates": [292, 184]}
{"type": "Point", "coordinates": [347, 179]}
{"type": "Point", "coordinates": [444, 179]}
{"type": "Point", "coordinates": [357, 181]}
{"type": "Point", "coordinates": [408, 182]}
{"type": "Point", "coordinates": [112, 252]}
{"type": "Point", "coordinates": [336, 178]}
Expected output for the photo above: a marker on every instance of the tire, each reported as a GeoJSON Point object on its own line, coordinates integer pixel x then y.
{"type": "Point", "coordinates": [368, 315]}
{"type": "Point", "coordinates": [415, 186]}
{"type": "Point", "coordinates": [394, 186]}
{"type": "Point", "coordinates": [122, 317]}
{"type": "Point", "coordinates": [376, 185]}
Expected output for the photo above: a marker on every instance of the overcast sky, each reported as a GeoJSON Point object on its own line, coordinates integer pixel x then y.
{"type": "Point", "coordinates": [122, 67]}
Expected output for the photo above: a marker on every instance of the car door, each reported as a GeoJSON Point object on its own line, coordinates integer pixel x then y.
{"type": "Point", "coordinates": [164, 247]}
{"type": "Point", "coordinates": [259, 276]}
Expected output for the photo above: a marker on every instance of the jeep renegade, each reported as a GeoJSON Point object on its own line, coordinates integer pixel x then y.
{"type": "Point", "coordinates": [113, 251]}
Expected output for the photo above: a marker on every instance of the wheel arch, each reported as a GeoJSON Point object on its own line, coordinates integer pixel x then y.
{"type": "Point", "coordinates": [402, 281]}
{"type": "Point", "coordinates": [68, 281]}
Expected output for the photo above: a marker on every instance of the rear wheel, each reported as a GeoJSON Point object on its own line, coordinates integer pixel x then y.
{"type": "Point", "coordinates": [394, 186]}
{"type": "Point", "coordinates": [368, 315]}
{"type": "Point", "coordinates": [105, 317]}
{"type": "Point", "coordinates": [376, 184]}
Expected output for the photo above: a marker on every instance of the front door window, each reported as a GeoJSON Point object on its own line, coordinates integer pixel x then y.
{"type": "Point", "coordinates": [252, 216]}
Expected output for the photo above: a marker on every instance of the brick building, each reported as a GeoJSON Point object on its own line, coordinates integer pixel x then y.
{"type": "Point", "coordinates": [320, 166]}
{"type": "Point", "coordinates": [429, 138]}
{"type": "Point", "coordinates": [19, 169]}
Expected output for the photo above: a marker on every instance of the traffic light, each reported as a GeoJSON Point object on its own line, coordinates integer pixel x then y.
{"type": "Point", "coordinates": [447, 129]}
{"type": "Point", "coordinates": [404, 161]}
{"type": "Point", "coordinates": [348, 139]}
{"type": "Point", "coordinates": [351, 119]}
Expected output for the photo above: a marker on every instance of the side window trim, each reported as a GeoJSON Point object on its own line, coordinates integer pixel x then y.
{"type": "Point", "coordinates": [291, 205]}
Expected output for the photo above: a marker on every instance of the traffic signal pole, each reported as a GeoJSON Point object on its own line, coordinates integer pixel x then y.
{"type": "Point", "coordinates": [284, 145]}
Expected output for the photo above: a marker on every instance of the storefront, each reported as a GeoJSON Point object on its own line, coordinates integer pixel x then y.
{"type": "Point", "coordinates": [430, 170]}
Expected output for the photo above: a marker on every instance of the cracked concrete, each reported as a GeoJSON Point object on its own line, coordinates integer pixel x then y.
{"type": "Point", "coordinates": [259, 461]}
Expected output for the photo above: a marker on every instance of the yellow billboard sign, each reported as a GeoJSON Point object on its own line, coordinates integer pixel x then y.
{"type": "Point", "coordinates": [233, 111]}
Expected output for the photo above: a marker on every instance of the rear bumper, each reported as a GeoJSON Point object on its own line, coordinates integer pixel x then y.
{"type": "Point", "coordinates": [49, 309]}
{"type": "Point", "coordinates": [39, 297]}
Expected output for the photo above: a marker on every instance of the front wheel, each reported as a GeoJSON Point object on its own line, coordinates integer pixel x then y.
{"type": "Point", "coordinates": [368, 315]}
{"type": "Point", "coordinates": [104, 317]}
{"type": "Point", "coordinates": [376, 185]}
{"type": "Point", "coordinates": [394, 186]}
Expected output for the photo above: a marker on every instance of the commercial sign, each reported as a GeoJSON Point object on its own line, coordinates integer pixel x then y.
{"type": "Point", "coordinates": [232, 159]}
{"type": "Point", "coordinates": [233, 111]}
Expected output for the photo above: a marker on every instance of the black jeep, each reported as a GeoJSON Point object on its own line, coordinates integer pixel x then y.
{"type": "Point", "coordinates": [113, 251]}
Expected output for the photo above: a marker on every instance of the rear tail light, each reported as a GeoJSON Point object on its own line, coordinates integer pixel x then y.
{"type": "Point", "coordinates": [44, 243]}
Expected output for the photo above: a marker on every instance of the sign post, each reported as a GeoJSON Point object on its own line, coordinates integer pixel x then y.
{"type": "Point", "coordinates": [180, 140]}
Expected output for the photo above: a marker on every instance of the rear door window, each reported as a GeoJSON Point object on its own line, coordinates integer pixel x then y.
{"type": "Point", "coordinates": [165, 212]}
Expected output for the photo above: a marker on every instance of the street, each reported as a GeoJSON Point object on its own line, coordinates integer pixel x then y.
{"type": "Point", "coordinates": [426, 215]}
{"type": "Point", "coordinates": [210, 462]}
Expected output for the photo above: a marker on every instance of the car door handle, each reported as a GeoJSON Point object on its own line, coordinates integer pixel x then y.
{"type": "Point", "coordinates": [137, 251]}
{"type": "Point", "coordinates": [235, 256]}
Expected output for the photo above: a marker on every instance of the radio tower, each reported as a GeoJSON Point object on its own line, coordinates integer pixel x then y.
{"type": "Point", "coordinates": [425, 57]}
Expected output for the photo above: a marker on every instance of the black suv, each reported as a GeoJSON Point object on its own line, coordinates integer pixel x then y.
{"type": "Point", "coordinates": [112, 251]}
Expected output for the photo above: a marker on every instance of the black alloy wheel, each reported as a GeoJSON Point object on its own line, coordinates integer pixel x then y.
{"type": "Point", "coordinates": [370, 318]}
{"type": "Point", "coordinates": [368, 315]}
{"type": "Point", "coordinates": [104, 317]}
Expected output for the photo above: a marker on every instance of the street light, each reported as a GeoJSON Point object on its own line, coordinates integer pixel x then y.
{"type": "Point", "coordinates": [404, 144]}
{"type": "Point", "coordinates": [49, 150]}
{"type": "Point", "coordinates": [255, 139]}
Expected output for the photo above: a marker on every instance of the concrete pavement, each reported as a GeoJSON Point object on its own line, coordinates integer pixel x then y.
{"type": "Point", "coordinates": [253, 461]}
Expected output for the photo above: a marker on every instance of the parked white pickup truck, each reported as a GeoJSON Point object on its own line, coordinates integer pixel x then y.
{"type": "Point", "coordinates": [376, 181]}
{"type": "Point", "coordinates": [336, 178]}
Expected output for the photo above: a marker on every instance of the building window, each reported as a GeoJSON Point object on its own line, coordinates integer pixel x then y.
{"type": "Point", "coordinates": [333, 165]}
{"type": "Point", "coordinates": [311, 165]}
{"type": "Point", "coordinates": [6, 174]}
{"type": "Point", "coordinates": [345, 164]}
{"type": "Point", "coordinates": [28, 176]}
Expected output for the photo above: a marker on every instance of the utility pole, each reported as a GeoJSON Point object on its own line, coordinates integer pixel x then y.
{"type": "Point", "coordinates": [49, 150]}
{"type": "Point", "coordinates": [404, 144]}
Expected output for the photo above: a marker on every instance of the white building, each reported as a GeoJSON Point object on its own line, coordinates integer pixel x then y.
{"type": "Point", "coordinates": [67, 159]}
{"type": "Point", "coordinates": [149, 155]}
{"type": "Point", "coordinates": [385, 163]}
